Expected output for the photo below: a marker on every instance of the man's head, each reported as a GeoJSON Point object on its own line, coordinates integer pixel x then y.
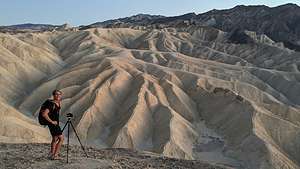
{"type": "Point", "coordinates": [57, 94]}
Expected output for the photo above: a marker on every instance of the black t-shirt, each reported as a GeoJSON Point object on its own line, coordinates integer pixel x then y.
{"type": "Point", "coordinates": [53, 109]}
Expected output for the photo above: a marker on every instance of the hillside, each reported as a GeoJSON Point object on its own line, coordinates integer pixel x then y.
{"type": "Point", "coordinates": [188, 92]}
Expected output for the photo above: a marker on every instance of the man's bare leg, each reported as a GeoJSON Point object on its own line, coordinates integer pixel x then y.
{"type": "Point", "coordinates": [58, 145]}
{"type": "Point", "coordinates": [53, 145]}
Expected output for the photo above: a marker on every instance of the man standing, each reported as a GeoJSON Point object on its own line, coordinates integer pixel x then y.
{"type": "Point", "coordinates": [50, 111]}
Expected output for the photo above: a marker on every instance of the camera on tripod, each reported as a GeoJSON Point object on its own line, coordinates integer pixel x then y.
{"type": "Point", "coordinates": [69, 115]}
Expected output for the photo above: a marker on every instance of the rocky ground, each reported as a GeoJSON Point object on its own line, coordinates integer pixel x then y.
{"type": "Point", "coordinates": [23, 156]}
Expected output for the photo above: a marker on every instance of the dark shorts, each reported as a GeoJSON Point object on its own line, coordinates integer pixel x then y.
{"type": "Point", "coordinates": [54, 130]}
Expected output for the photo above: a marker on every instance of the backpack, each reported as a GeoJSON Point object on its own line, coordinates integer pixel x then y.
{"type": "Point", "coordinates": [41, 119]}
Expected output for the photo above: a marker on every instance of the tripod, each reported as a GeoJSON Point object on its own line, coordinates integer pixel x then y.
{"type": "Point", "coordinates": [69, 122]}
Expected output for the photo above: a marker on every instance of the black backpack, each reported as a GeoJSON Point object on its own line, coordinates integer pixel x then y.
{"type": "Point", "coordinates": [41, 119]}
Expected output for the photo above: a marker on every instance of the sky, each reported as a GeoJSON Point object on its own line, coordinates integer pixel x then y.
{"type": "Point", "coordinates": [83, 12]}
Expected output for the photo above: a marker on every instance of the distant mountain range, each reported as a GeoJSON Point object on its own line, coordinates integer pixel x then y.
{"type": "Point", "coordinates": [281, 23]}
{"type": "Point", "coordinates": [29, 27]}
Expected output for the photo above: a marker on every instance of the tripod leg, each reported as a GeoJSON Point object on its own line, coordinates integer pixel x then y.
{"type": "Point", "coordinates": [78, 139]}
{"type": "Point", "coordinates": [64, 126]}
{"type": "Point", "coordinates": [68, 141]}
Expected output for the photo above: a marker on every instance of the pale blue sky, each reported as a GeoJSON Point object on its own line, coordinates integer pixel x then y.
{"type": "Point", "coordinates": [77, 12]}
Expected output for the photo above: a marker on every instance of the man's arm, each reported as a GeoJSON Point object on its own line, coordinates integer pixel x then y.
{"type": "Point", "coordinates": [45, 115]}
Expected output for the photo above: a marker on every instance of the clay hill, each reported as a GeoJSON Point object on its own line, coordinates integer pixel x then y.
{"type": "Point", "coordinates": [226, 98]}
